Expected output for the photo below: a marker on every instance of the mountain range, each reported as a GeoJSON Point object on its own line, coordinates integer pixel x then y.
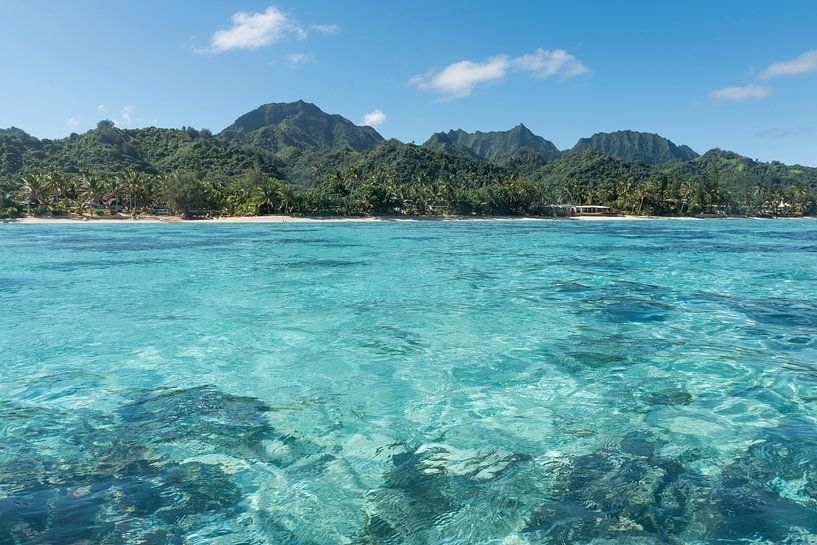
{"type": "Point", "coordinates": [283, 127]}
{"type": "Point", "coordinates": [494, 144]}
{"type": "Point", "coordinates": [301, 144]}
{"type": "Point", "coordinates": [649, 148]}
{"type": "Point", "coordinates": [298, 125]}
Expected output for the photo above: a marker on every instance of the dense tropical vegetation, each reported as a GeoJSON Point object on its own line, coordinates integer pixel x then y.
{"type": "Point", "coordinates": [295, 159]}
{"type": "Point", "coordinates": [494, 144]}
{"type": "Point", "coordinates": [648, 148]}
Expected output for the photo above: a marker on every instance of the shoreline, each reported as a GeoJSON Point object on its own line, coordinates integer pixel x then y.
{"type": "Point", "coordinates": [280, 218]}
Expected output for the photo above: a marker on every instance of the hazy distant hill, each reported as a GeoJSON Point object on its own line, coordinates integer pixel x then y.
{"type": "Point", "coordinates": [299, 125]}
{"type": "Point", "coordinates": [649, 148]}
{"type": "Point", "coordinates": [494, 144]}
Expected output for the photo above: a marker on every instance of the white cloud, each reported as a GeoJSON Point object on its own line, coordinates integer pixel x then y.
{"type": "Point", "coordinates": [804, 64]}
{"type": "Point", "coordinates": [544, 63]}
{"type": "Point", "coordinates": [459, 79]}
{"type": "Point", "coordinates": [740, 94]}
{"type": "Point", "coordinates": [325, 29]}
{"type": "Point", "coordinates": [254, 30]}
{"type": "Point", "coordinates": [73, 122]}
{"type": "Point", "coordinates": [127, 116]}
{"type": "Point", "coordinates": [101, 108]}
{"type": "Point", "coordinates": [785, 132]}
{"type": "Point", "coordinates": [375, 118]}
{"type": "Point", "coordinates": [297, 59]}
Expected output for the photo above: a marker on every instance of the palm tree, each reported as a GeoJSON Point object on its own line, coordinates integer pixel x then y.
{"type": "Point", "coordinates": [759, 194]}
{"type": "Point", "coordinates": [53, 184]}
{"type": "Point", "coordinates": [273, 196]}
{"type": "Point", "coordinates": [133, 187]}
{"type": "Point", "coordinates": [799, 199]}
{"type": "Point", "coordinates": [91, 189]}
{"type": "Point", "coordinates": [35, 190]}
{"type": "Point", "coordinates": [113, 193]}
{"type": "Point", "coordinates": [573, 193]}
{"type": "Point", "coordinates": [686, 192]}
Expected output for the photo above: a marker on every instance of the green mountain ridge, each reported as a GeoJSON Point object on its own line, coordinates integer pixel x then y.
{"type": "Point", "coordinates": [493, 144]}
{"type": "Point", "coordinates": [295, 157]}
{"type": "Point", "coordinates": [439, 142]}
{"type": "Point", "coordinates": [649, 148]}
{"type": "Point", "coordinates": [301, 125]}
{"type": "Point", "coordinates": [410, 164]}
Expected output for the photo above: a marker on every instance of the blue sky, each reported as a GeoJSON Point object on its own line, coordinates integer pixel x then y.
{"type": "Point", "coordinates": [740, 75]}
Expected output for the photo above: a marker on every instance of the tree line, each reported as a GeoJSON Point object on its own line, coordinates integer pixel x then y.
{"type": "Point", "coordinates": [354, 191]}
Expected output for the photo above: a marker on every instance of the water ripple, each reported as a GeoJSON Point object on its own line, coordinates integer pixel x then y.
{"type": "Point", "coordinates": [512, 383]}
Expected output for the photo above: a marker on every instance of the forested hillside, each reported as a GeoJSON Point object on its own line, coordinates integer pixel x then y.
{"type": "Point", "coordinates": [649, 148]}
{"type": "Point", "coordinates": [298, 125]}
{"type": "Point", "coordinates": [494, 144]}
{"type": "Point", "coordinates": [295, 158]}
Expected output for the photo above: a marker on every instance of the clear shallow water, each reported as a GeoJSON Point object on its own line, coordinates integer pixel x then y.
{"type": "Point", "coordinates": [411, 383]}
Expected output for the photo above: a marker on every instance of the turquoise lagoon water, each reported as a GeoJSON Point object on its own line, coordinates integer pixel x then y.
{"type": "Point", "coordinates": [409, 383]}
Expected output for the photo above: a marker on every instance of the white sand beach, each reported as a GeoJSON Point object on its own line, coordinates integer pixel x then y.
{"type": "Point", "coordinates": [279, 218]}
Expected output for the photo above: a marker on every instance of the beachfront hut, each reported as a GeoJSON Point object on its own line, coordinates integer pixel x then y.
{"type": "Point", "coordinates": [591, 209]}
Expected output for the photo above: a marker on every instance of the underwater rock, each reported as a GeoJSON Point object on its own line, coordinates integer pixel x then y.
{"type": "Point", "coordinates": [377, 531]}
{"type": "Point", "coordinates": [619, 351]}
{"type": "Point", "coordinates": [627, 491]}
{"type": "Point", "coordinates": [631, 309]}
{"type": "Point", "coordinates": [749, 510]}
{"type": "Point", "coordinates": [670, 396]}
{"type": "Point", "coordinates": [428, 486]}
{"type": "Point", "coordinates": [90, 477]}
{"type": "Point", "coordinates": [768, 492]}
{"type": "Point", "coordinates": [234, 425]}
{"type": "Point", "coordinates": [631, 493]}
{"type": "Point", "coordinates": [105, 508]}
{"type": "Point", "coordinates": [787, 314]}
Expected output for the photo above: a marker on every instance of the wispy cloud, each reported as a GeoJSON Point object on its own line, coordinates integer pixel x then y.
{"type": "Point", "coordinates": [101, 108]}
{"type": "Point", "coordinates": [543, 63]}
{"type": "Point", "coordinates": [73, 122]}
{"type": "Point", "coordinates": [325, 29]}
{"type": "Point", "coordinates": [459, 79]}
{"type": "Point", "coordinates": [375, 118]}
{"type": "Point", "coordinates": [297, 59]}
{"type": "Point", "coordinates": [740, 94]}
{"type": "Point", "coordinates": [785, 132]}
{"type": "Point", "coordinates": [254, 30]}
{"type": "Point", "coordinates": [804, 64]}
{"type": "Point", "coordinates": [127, 116]}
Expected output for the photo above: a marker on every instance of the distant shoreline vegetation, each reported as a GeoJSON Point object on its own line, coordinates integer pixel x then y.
{"type": "Point", "coordinates": [191, 195]}
{"type": "Point", "coordinates": [295, 159]}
